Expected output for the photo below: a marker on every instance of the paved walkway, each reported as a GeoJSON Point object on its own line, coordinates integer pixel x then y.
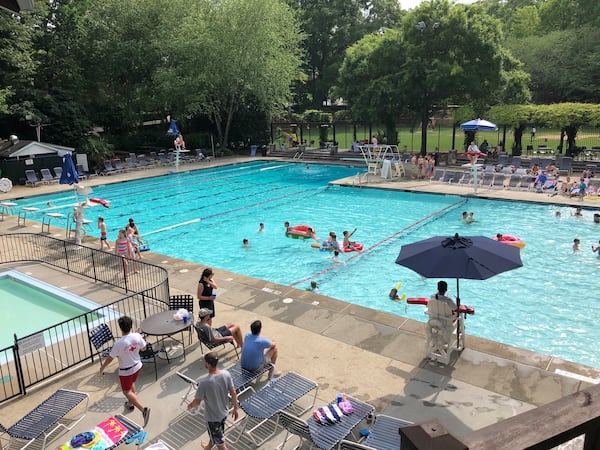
{"type": "Point", "coordinates": [374, 356]}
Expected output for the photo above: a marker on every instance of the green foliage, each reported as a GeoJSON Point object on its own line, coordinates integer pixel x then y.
{"type": "Point", "coordinates": [342, 115]}
{"type": "Point", "coordinates": [97, 149]}
{"type": "Point", "coordinates": [316, 116]}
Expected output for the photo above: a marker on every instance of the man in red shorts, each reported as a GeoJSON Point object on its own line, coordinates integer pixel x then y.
{"type": "Point", "coordinates": [127, 350]}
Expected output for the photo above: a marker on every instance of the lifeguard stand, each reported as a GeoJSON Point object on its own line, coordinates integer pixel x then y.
{"type": "Point", "coordinates": [441, 328]}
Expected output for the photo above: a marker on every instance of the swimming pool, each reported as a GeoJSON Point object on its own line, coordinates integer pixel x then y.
{"type": "Point", "coordinates": [547, 306]}
{"type": "Point", "coordinates": [30, 305]}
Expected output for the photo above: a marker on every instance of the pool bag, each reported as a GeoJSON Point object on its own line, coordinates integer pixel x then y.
{"type": "Point", "coordinates": [82, 438]}
{"type": "Point", "coordinates": [346, 407]}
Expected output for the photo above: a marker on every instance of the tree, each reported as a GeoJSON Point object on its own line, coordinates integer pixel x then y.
{"type": "Point", "coordinates": [18, 62]}
{"type": "Point", "coordinates": [442, 54]}
{"type": "Point", "coordinates": [225, 54]}
{"type": "Point", "coordinates": [330, 28]}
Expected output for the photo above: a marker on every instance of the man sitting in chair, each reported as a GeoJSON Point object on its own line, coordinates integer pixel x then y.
{"type": "Point", "coordinates": [257, 351]}
{"type": "Point", "coordinates": [225, 333]}
{"type": "Point", "coordinates": [441, 295]}
{"type": "Point", "coordinates": [442, 317]}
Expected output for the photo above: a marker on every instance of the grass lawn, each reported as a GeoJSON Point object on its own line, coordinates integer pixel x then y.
{"type": "Point", "coordinates": [439, 138]}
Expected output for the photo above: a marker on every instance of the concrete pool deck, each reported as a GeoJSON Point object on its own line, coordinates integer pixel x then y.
{"type": "Point", "coordinates": [374, 356]}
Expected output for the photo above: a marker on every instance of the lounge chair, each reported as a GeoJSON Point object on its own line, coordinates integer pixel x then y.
{"type": "Point", "coordinates": [325, 437]}
{"type": "Point", "coordinates": [514, 182]}
{"type": "Point", "coordinates": [466, 179]}
{"type": "Point", "coordinates": [131, 164]}
{"type": "Point", "coordinates": [263, 405]}
{"type": "Point", "coordinates": [57, 172]}
{"type": "Point", "coordinates": [488, 179]}
{"type": "Point", "coordinates": [162, 157]}
{"type": "Point", "coordinates": [503, 160]}
{"type": "Point", "coordinates": [143, 162]}
{"type": "Point", "coordinates": [108, 168]}
{"type": "Point", "coordinates": [242, 382]}
{"type": "Point", "coordinates": [449, 176]}
{"type": "Point", "coordinates": [47, 417]}
{"type": "Point", "coordinates": [81, 173]}
{"type": "Point", "coordinates": [203, 338]}
{"type": "Point", "coordinates": [498, 182]}
{"type": "Point", "coordinates": [438, 175]}
{"type": "Point", "coordinates": [119, 168]}
{"type": "Point", "coordinates": [32, 179]}
{"type": "Point", "coordinates": [566, 165]}
{"type": "Point", "coordinates": [47, 177]}
{"type": "Point", "coordinates": [383, 435]}
{"type": "Point", "coordinates": [516, 161]}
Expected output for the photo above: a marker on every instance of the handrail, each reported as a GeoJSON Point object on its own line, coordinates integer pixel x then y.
{"type": "Point", "coordinates": [45, 353]}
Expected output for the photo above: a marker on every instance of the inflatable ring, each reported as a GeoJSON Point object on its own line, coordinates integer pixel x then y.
{"type": "Point", "coordinates": [587, 197]}
{"type": "Point", "coordinates": [511, 240]}
{"type": "Point", "coordinates": [5, 185]}
{"type": "Point", "coordinates": [464, 309]}
{"type": "Point", "coordinates": [354, 247]}
{"type": "Point", "coordinates": [300, 232]}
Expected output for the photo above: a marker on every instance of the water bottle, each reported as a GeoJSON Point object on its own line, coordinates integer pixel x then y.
{"type": "Point", "coordinates": [340, 398]}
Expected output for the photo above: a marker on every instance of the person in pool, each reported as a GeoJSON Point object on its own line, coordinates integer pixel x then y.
{"type": "Point", "coordinates": [596, 249]}
{"type": "Point", "coordinates": [346, 243]}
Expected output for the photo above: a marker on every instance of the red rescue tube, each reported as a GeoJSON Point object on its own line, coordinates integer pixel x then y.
{"type": "Point", "coordinates": [464, 309]}
{"type": "Point", "coordinates": [100, 201]}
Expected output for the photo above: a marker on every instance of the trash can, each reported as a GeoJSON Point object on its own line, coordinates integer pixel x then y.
{"type": "Point", "coordinates": [263, 150]}
{"type": "Point", "coordinates": [452, 156]}
{"type": "Point", "coordinates": [253, 150]}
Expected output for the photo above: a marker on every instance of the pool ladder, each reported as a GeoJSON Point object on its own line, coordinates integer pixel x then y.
{"type": "Point", "coordinates": [298, 155]}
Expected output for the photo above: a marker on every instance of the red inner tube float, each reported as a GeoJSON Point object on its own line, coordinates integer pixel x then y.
{"type": "Point", "coordinates": [354, 247]}
{"type": "Point", "coordinates": [510, 240]}
{"type": "Point", "coordinates": [300, 232]}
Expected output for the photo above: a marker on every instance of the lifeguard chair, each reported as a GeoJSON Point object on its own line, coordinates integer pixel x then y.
{"type": "Point", "coordinates": [441, 331]}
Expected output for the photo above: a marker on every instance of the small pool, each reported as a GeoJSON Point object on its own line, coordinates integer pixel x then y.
{"type": "Point", "coordinates": [547, 306]}
{"type": "Point", "coordinates": [30, 305]}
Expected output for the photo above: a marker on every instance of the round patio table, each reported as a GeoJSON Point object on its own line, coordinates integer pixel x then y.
{"type": "Point", "coordinates": [164, 325]}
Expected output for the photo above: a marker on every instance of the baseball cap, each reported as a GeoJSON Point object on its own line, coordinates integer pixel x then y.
{"type": "Point", "coordinates": [204, 312]}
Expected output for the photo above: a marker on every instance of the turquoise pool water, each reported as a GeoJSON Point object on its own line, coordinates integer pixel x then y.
{"type": "Point", "coordinates": [29, 305]}
{"type": "Point", "coordinates": [547, 306]}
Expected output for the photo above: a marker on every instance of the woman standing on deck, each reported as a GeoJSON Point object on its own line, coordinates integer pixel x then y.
{"type": "Point", "coordinates": [206, 294]}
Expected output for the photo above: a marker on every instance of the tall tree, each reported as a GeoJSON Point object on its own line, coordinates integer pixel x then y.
{"type": "Point", "coordinates": [331, 26]}
{"type": "Point", "coordinates": [229, 53]}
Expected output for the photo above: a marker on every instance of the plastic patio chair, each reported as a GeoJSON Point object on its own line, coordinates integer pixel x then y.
{"type": "Point", "coordinates": [102, 339]}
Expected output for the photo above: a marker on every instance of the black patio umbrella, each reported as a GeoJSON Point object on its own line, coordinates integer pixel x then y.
{"type": "Point", "coordinates": [472, 258]}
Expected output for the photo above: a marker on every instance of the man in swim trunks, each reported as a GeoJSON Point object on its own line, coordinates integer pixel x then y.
{"type": "Point", "coordinates": [102, 228]}
{"type": "Point", "coordinates": [225, 333]}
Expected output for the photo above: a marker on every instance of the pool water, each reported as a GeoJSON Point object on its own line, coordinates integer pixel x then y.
{"type": "Point", "coordinates": [547, 306]}
{"type": "Point", "coordinates": [29, 305]}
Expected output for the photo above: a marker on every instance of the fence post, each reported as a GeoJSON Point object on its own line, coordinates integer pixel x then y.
{"type": "Point", "coordinates": [18, 367]}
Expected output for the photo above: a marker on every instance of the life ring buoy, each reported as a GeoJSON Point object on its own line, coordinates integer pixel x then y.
{"type": "Point", "coordinates": [464, 309]}
{"type": "Point", "coordinates": [511, 240]}
{"type": "Point", "coordinates": [300, 232]}
{"type": "Point", "coordinates": [100, 201]}
{"type": "Point", "coordinates": [354, 247]}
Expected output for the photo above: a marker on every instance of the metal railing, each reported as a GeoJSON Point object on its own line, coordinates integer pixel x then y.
{"type": "Point", "coordinates": [45, 353]}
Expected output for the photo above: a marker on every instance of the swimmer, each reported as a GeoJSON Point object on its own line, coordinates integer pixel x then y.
{"type": "Point", "coordinates": [307, 167]}
{"type": "Point", "coordinates": [287, 226]}
{"type": "Point", "coordinates": [261, 227]}
{"type": "Point", "coordinates": [465, 216]}
{"type": "Point", "coordinates": [596, 218]}
{"type": "Point", "coordinates": [312, 234]}
{"type": "Point", "coordinates": [596, 249]}
{"type": "Point", "coordinates": [245, 243]}
{"type": "Point", "coordinates": [336, 257]}
{"type": "Point", "coordinates": [346, 242]}
{"type": "Point", "coordinates": [314, 287]}
{"type": "Point", "coordinates": [557, 213]}
{"type": "Point", "coordinates": [578, 212]}
{"type": "Point", "coordinates": [499, 237]}
{"type": "Point", "coordinates": [471, 218]}
{"type": "Point", "coordinates": [50, 205]}
{"type": "Point", "coordinates": [576, 243]}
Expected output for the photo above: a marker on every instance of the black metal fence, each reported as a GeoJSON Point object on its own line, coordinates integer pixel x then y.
{"type": "Point", "coordinates": [47, 352]}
